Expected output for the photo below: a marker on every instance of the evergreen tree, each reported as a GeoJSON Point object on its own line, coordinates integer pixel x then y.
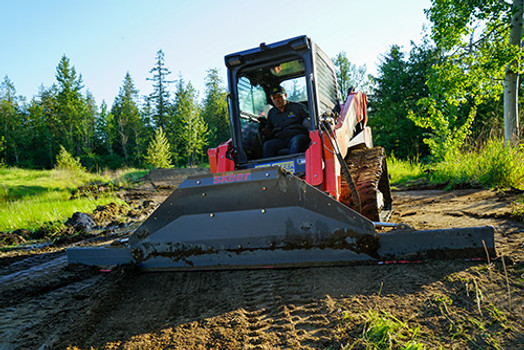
{"type": "Point", "coordinates": [191, 137]}
{"type": "Point", "coordinates": [12, 120]}
{"type": "Point", "coordinates": [65, 161]}
{"type": "Point", "coordinates": [147, 130]}
{"type": "Point", "coordinates": [86, 130]}
{"type": "Point", "coordinates": [214, 111]}
{"type": "Point", "coordinates": [101, 136]}
{"type": "Point", "coordinates": [127, 126]}
{"type": "Point", "coordinates": [159, 151]}
{"type": "Point", "coordinates": [47, 128]}
{"type": "Point", "coordinates": [399, 84]}
{"type": "Point", "coordinates": [70, 104]}
{"type": "Point", "coordinates": [160, 96]}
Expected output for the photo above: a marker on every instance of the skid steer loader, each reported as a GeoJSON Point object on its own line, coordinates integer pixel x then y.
{"type": "Point", "coordinates": [318, 207]}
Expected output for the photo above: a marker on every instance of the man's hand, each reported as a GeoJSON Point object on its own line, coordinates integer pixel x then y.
{"type": "Point", "coordinates": [262, 121]}
{"type": "Point", "coordinates": [265, 128]}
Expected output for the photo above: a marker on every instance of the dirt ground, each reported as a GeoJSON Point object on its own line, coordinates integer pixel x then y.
{"type": "Point", "coordinates": [47, 304]}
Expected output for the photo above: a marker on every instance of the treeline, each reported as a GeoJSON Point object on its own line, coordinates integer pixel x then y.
{"type": "Point", "coordinates": [429, 103]}
{"type": "Point", "coordinates": [63, 115]}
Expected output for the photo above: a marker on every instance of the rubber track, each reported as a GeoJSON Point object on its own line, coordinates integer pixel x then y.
{"type": "Point", "coordinates": [369, 171]}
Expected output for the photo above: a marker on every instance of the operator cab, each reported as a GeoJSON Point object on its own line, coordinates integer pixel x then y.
{"type": "Point", "coordinates": [292, 64]}
{"type": "Point", "coordinates": [254, 86]}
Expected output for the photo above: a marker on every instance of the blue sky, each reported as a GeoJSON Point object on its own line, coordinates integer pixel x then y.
{"type": "Point", "coordinates": [106, 39]}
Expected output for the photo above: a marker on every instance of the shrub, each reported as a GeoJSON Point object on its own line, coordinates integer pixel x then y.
{"type": "Point", "coordinates": [159, 151]}
{"type": "Point", "coordinates": [65, 161]}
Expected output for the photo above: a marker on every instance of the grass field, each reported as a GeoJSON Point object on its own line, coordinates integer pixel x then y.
{"type": "Point", "coordinates": [32, 198]}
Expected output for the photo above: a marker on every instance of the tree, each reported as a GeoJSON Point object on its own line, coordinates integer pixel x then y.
{"type": "Point", "coordinates": [70, 103]}
{"type": "Point", "coordinates": [348, 75]}
{"type": "Point", "coordinates": [214, 111]}
{"type": "Point", "coordinates": [86, 129]}
{"type": "Point", "coordinates": [12, 117]}
{"type": "Point", "coordinates": [102, 133]}
{"type": "Point", "coordinates": [398, 85]}
{"type": "Point", "coordinates": [65, 161]}
{"type": "Point", "coordinates": [127, 124]}
{"type": "Point", "coordinates": [191, 135]}
{"type": "Point", "coordinates": [47, 129]}
{"type": "Point", "coordinates": [483, 42]}
{"type": "Point", "coordinates": [160, 96]}
{"type": "Point", "coordinates": [159, 151]}
{"type": "Point", "coordinates": [2, 142]}
{"type": "Point", "coordinates": [511, 78]}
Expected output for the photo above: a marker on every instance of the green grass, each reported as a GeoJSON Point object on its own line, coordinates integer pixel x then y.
{"type": "Point", "coordinates": [382, 330]}
{"type": "Point", "coordinates": [491, 165]}
{"type": "Point", "coordinates": [404, 171]}
{"type": "Point", "coordinates": [30, 199]}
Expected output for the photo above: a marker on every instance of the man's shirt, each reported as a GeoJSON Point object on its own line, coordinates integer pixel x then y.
{"type": "Point", "coordinates": [288, 123]}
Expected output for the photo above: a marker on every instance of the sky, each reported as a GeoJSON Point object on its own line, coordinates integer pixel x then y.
{"type": "Point", "coordinates": [106, 39]}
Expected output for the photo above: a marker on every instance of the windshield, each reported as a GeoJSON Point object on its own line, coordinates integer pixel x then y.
{"type": "Point", "coordinates": [253, 99]}
{"type": "Point", "coordinates": [255, 83]}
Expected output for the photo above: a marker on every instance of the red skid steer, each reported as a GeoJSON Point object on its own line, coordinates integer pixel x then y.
{"type": "Point", "coordinates": [312, 208]}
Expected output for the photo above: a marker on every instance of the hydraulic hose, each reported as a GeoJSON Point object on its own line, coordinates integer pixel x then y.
{"type": "Point", "coordinates": [345, 170]}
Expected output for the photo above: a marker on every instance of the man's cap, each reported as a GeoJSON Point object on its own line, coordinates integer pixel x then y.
{"type": "Point", "coordinates": [277, 90]}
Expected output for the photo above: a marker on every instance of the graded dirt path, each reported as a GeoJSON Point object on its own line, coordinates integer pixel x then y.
{"type": "Point", "coordinates": [46, 304]}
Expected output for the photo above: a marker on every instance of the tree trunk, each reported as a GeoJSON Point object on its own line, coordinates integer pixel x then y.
{"type": "Point", "coordinates": [511, 80]}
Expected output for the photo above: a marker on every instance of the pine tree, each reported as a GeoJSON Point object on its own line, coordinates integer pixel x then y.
{"type": "Point", "coordinates": [12, 118]}
{"type": "Point", "coordinates": [86, 129]}
{"type": "Point", "coordinates": [214, 111]}
{"type": "Point", "coordinates": [101, 136]}
{"type": "Point", "coordinates": [47, 127]}
{"type": "Point", "coordinates": [159, 151]}
{"type": "Point", "coordinates": [399, 84]}
{"type": "Point", "coordinates": [192, 133]}
{"type": "Point", "coordinates": [70, 103]}
{"type": "Point", "coordinates": [127, 126]}
{"type": "Point", "coordinates": [160, 96]}
{"type": "Point", "coordinates": [65, 161]}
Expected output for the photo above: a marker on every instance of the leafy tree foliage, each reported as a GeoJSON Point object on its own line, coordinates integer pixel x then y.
{"type": "Point", "coordinates": [159, 151]}
{"type": "Point", "coordinates": [349, 75]}
{"type": "Point", "coordinates": [475, 37]}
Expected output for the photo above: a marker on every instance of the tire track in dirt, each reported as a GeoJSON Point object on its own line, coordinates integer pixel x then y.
{"type": "Point", "coordinates": [249, 309]}
{"type": "Point", "coordinates": [279, 311]}
{"type": "Point", "coordinates": [26, 321]}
